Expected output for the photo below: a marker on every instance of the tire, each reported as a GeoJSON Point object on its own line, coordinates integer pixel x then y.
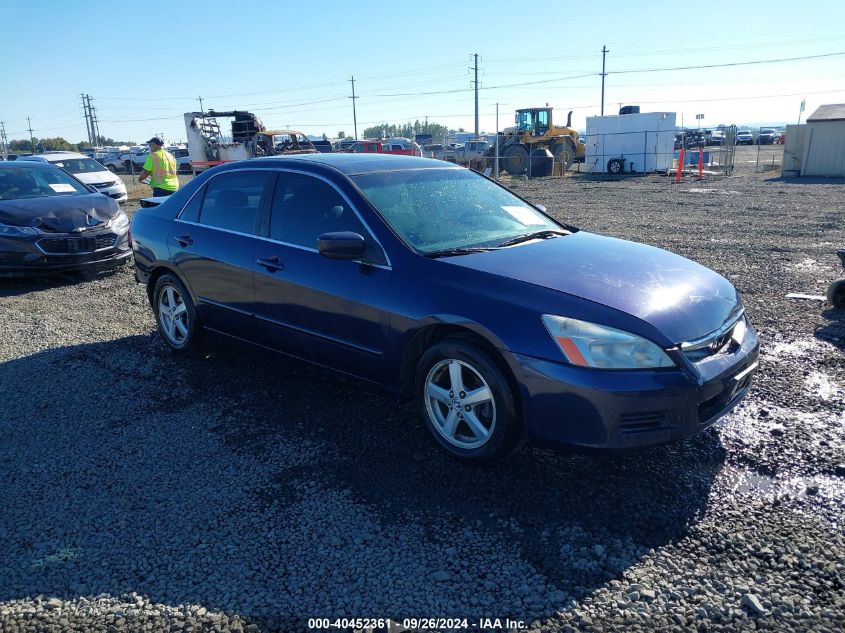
{"type": "Point", "coordinates": [515, 159]}
{"type": "Point", "coordinates": [111, 168]}
{"type": "Point", "coordinates": [172, 306]}
{"type": "Point", "coordinates": [565, 152]}
{"type": "Point", "coordinates": [836, 294]}
{"type": "Point", "coordinates": [615, 166]}
{"type": "Point", "coordinates": [127, 166]}
{"type": "Point", "coordinates": [481, 432]}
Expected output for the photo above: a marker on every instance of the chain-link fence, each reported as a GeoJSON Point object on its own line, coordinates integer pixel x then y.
{"type": "Point", "coordinates": [769, 156]}
{"type": "Point", "coordinates": [616, 153]}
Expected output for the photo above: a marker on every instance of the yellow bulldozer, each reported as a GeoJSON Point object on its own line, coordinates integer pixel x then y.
{"type": "Point", "coordinates": [535, 130]}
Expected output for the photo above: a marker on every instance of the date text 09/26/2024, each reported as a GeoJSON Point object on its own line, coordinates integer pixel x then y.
{"type": "Point", "coordinates": [482, 624]}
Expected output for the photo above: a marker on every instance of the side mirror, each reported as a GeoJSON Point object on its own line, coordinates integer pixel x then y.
{"type": "Point", "coordinates": [341, 245]}
{"type": "Point", "coordinates": [540, 207]}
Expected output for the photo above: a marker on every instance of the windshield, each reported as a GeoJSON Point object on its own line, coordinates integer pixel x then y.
{"type": "Point", "coordinates": [437, 209]}
{"type": "Point", "coordinates": [78, 165]}
{"type": "Point", "coordinates": [17, 183]}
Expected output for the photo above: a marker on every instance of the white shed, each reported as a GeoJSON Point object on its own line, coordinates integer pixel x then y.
{"type": "Point", "coordinates": [643, 142]}
{"type": "Point", "coordinates": [819, 148]}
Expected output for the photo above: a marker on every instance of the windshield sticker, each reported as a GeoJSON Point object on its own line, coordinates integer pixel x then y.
{"type": "Point", "coordinates": [523, 214]}
{"type": "Point", "coordinates": [62, 187]}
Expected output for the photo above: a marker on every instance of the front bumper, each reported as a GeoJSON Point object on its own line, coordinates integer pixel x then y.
{"type": "Point", "coordinates": [600, 409]}
{"type": "Point", "coordinates": [52, 253]}
{"type": "Point", "coordinates": [118, 192]}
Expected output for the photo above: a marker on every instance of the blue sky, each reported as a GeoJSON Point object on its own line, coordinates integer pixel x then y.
{"type": "Point", "coordinates": [144, 64]}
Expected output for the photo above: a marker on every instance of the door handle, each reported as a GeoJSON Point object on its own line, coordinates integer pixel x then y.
{"type": "Point", "coordinates": [272, 264]}
{"type": "Point", "coordinates": [184, 239]}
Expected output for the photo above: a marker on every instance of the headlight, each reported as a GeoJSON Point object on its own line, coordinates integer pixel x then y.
{"type": "Point", "coordinates": [17, 231]}
{"type": "Point", "coordinates": [592, 345]}
{"type": "Point", "coordinates": [121, 220]}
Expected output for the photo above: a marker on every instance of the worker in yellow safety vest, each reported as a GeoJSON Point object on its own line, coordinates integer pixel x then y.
{"type": "Point", "coordinates": [161, 167]}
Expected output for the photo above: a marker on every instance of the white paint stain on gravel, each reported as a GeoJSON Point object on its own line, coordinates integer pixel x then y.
{"type": "Point", "coordinates": [794, 350]}
{"type": "Point", "coordinates": [822, 386]}
{"type": "Point", "coordinates": [721, 192]}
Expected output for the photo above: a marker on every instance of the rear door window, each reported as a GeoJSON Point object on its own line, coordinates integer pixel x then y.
{"type": "Point", "coordinates": [305, 207]}
{"type": "Point", "coordinates": [233, 200]}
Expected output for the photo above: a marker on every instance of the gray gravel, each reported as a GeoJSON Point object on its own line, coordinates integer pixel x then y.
{"type": "Point", "coordinates": [234, 490]}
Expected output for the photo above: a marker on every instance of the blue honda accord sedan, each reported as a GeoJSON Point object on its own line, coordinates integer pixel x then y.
{"type": "Point", "coordinates": [501, 323]}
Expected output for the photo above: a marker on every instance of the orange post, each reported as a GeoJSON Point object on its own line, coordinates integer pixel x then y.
{"type": "Point", "coordinates": [700, 163]}
{"type": "Point", "coordinates": [680, 165]}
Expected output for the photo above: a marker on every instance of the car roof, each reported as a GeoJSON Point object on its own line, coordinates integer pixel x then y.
{"type": "Point", "coordinates": [54, 156]}
{"type": "Point", "coordinates": [20, 163]}
{"type": "Point", "coordinates": [354, 163]}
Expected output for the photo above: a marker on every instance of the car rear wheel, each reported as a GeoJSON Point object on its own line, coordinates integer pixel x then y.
{"type": "Point", "coordinates": [467, 403]}
{"type": "Point", "coordinates": [175, 313]}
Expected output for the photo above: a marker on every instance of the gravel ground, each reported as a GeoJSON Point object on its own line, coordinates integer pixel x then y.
{"type": "Point", "coordinates": [233, 490]}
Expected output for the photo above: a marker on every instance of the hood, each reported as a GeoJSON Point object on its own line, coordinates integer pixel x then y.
{"type": "Point", "coordinates": [94, 177]}
{"type": "Point", "coordinates": [59, 214]}
{"type": "Point", "coordinates": [682, 299]}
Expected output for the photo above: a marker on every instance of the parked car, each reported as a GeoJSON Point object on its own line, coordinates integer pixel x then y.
{"type": "Point", "coordinates": [398, 146]}
{"type": "Point", "coordinates": [51, 221]}
{"type": "Point", "coordinates": [715, 137]}
{"type": "Point", "coordinates": [471, 150]}
{"type": "Point", "coordinates": [112, 162]}
{"type": "Point", "coordinates": [744, 137]}
{"type": "Point", "coordinates": [438, 151]}
{"type": "Point", "coordinates": [447, 289]}
{"type": "Point", "coordinates": [766, 136]}
{"type": "Point", "coordinates": [183, 158]}
{"type": "Point", "coordinates": [85, 169]}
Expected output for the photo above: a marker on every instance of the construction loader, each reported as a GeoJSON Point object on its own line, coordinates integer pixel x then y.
{"type": "Point", "coordinates": [535, 130]}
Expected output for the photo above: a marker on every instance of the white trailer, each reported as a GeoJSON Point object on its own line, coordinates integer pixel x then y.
{"type": "Point", "coordinates": [637, 143]}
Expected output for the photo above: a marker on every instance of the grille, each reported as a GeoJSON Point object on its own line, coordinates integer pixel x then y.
{"type": "Point", "coordinates": [721, 343]}
{"type": "Point", "coordinates": [102, 185]}
{"type": "Point", "coordinates": [62, 245]}
{"type": "Point", "coordinates": [642, 422]}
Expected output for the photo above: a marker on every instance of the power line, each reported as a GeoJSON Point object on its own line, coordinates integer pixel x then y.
{"type": "Point", "coordinates": [725, 65]}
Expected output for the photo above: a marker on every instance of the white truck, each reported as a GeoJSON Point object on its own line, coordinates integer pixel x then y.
{"type": "Point", "coordinates": [471, 150]}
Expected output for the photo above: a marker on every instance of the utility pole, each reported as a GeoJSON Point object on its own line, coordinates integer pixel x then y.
{"type": "Point", "coordinates": [4, 143]}
{"type": "Point", "coordinates": [95, 124]}
{"type": "Point", "coordinates": [475, 55]}
{"type": "Point", "coordinates": [496, 153]}
{"type": "Point", "coordinates": [200, 98]}
{"type": "Point", "coordinates": [604, 53]}
{"type": "Point", "coordinates": [86, 114]}
{"type": "Point", "coordinates": [354, 113]}
{"type": "Point", "coordinates": [31, 137]}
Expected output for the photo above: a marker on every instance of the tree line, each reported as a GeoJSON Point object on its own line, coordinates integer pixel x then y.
{"type": "Point", "coordinates": [406, 130]}
{"type": "Point", "coordinates": [58, 144]}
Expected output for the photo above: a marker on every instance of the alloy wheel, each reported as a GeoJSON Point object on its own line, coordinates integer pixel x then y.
{"type": "Point", "coordinates": [460, 404]}
{"type": "Point", "coordinates": [173, 315]}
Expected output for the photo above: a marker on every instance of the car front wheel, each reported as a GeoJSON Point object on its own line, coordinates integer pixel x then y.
{"type": "Point", "coordinates": [467, 403]}
{"type": "Point", "coordinates": [175, 314]}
